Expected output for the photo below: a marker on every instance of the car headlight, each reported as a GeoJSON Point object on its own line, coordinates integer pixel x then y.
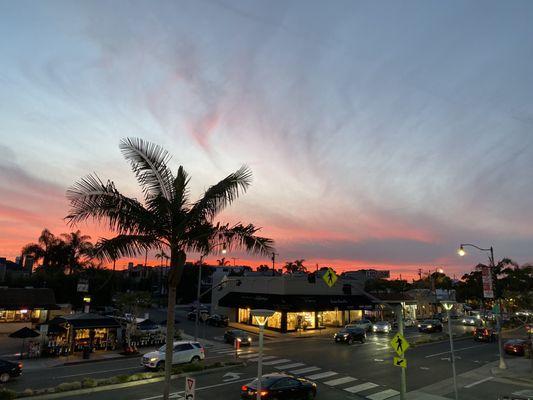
{"type": "Point", "coordinates": [464, 320]}
{"type": "Point", "coordinates": [386, 329]}
{"type": "Point", "coordinates": [345, 335]}
{"type": "Point", "coordinates": [153, 359]}
{"type": "Point", "coordinates": [238, 339]}
{"type": "Point", "coordinates": [249, 339]}
{"type": "Point", "coordinates": [374, 328]}
{"type": "Point", "coordinates": [419, 325]}
{"type": "Point", "coordinates": [430, 326]}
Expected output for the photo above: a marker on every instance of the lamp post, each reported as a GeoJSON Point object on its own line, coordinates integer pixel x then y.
{"type": "Point", "coordinates": [448, 305]}
{"type": "Point", "coordinates": [461, 251]}
{"type": "Point", "coordinates": [261, 316]}
{"type": "Point", "coordinates": [198, 291]}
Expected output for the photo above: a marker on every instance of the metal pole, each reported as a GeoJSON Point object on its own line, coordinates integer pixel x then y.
{"type": "Point", "coordinates": [403, 381]}
{"type": "Point", "coordinates": [260, 362]}
{"type": "Point", "coordinates": [452, 357]}
{"type": "Point", "coordinates": [502, 364]}
{"type": "Point", "coordinates": [198, 299]}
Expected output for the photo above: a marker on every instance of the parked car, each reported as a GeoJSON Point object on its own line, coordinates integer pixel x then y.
{"type": "Point", "coordinates": [515, 347]}
{"type": "Point", "coordinates": [470, 321]}
{"type": "Point", "coordinates": [183, 352]}
{"type": "Point", "coordinates": [440, 316]}
{"type": "Point", "coordinates": [408, 322]}
{"type": "Point", "coordinates": [381, 327]}
{"type": "Point", "coordinates": [233, 335]}
{"type": "Point", "coordinates": [281, 387]}
{"type": "Point", "coordinates": [365, 324]}
{"type": "Point", "coordinates": [9, 370]}
{"type": "Point", "coordinates": [191, 316]}
{"type": "Point", "coordinates": [217, 320]}
{"type": "Point", "coordinates": [430, 325]}
{"type": "Point", "coordinates": [485, 335]}
{"type": "Point", "coordinates": [350, 335]}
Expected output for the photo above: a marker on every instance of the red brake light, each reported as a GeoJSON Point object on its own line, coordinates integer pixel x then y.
{"type": "Point", "coordinates": [20, 365]}
{"type": "Point", "coordinates": [244, 388]}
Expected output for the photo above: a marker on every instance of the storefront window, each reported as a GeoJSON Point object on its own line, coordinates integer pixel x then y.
{"type": "Point", "coordinates": [330, 318]}
{"type": "Point", "coordinates": [15, 316]}
{"type": "Point", "coordinates": [300, 320]}
{"type": "Point", "coordinates": [274, 321]}
{"type": "Point", "coordinates": [244, 315]}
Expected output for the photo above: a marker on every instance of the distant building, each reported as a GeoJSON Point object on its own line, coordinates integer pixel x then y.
{"type": "Point", "coordinates": [364, 275]}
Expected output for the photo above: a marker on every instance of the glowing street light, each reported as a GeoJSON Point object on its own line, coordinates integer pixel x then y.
{"type": "Point", "coordinates": [261, 316]}
{"type": "Point", "coordinates": [461, 251]}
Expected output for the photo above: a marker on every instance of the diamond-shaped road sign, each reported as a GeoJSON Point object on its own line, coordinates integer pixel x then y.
{"type": "Point", "coordinates": [400, 362]}
{"type": "Point", "coordinates": [399, 344]}
{"type": "Point", "coordinates": [330, 277]}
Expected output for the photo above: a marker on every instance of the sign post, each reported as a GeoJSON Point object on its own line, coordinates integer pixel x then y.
{"type": "Point", "coordinates": [190, 386]}
{"type": "Point", "coordinates": [400, 345]}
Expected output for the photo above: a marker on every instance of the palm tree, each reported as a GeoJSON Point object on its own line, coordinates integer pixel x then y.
{"type": "Point", "coordinates": [223, 262]}
{"type": "Point", "coordinates": [295, 266]}
{"type": "Point", "coordinates": [165, 219]}
{"type": "Point", "coordinates": [79, 249]}
{"type": "Point", "coordinates": [42, 249]}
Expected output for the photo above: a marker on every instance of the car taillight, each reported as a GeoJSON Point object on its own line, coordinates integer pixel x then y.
{"type": "Point", "coordinates": [244, 388]}
{"type": "Point", "coordinates": [20, 365]}
{"type": "Point", "coordinates": [486, 331]}
{"type": "Point", "coordinates": [264, 393]}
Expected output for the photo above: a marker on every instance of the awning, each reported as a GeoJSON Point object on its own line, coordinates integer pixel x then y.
{"type": "Point", "coordinates": [89, 321]}
{"type": "Point", "coordinates": [296, 302]}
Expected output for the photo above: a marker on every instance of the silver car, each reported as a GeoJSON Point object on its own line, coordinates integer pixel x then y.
{"type": "Point", "coordinates": [381, 327]}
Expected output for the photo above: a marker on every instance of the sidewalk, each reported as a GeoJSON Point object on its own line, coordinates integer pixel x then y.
{"type": "Point", "coordinates": [325, 332]}
{"type": "Point", "coordinates": [518, 369]}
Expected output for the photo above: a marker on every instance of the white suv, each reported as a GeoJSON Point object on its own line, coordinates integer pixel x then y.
{"type": "Point", "coordinates": [183, 352]}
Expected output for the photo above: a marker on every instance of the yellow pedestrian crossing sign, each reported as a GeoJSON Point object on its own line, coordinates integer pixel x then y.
{"type": "Point", "coordinates": [330, 277]}
{"type": "Point", "coordinates": [400, 362]}
{"type": "Point", "coordinates": [399, 344]}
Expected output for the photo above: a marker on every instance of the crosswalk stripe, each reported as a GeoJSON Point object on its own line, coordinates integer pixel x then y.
{"type": "Point", "coordinates": [361, 387]}
{"type": "Point", "coordinates": [304, 370]}
{"type": "Point", "coordinates": [278, 361]}
{"type": "Point", "coordinates": [340, 381]}
{"type": "Point", "coordinates": [248, 355]}
{"type": "Point", "coordinates": [385, 394]}
{"type": "Point", "coordinates": [287, 366]}
{"type": "Point", "coordinates": [264, 358]}
{"type": "Point", "coordinates": [225, 351]}
{"type": "Point", "coordinates": [322, 375]}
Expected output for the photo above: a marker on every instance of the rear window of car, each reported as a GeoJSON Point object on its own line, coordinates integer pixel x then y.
{"type": "Point", "coordinates": [183, 347]}
{"type": "Point", "coordinates": [197, 345]}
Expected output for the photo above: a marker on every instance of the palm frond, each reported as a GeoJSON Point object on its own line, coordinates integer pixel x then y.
{"type": "Point", "coordinates": [123, 246]}
{"type": "Point", "coordinates": [90, 198]}
{"type": "Point", "coordinates": [149, 163]}
{"type": "Point", "coordinates": [243, 237]}
{"type": "Point", "coordinates": [181, 190]}
{"type": "Point", "coordinates": [219, 196]}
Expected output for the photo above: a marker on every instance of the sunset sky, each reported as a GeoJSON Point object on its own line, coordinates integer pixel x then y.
{"type": "Point", "coordinates": [380, 134]}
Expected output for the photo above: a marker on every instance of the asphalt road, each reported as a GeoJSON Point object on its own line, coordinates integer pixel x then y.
{"type": "Point", "coordinates": [342, 371]}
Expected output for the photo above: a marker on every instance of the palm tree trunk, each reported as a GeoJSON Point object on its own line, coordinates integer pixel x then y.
{"type": "Point", "coordinates": [177, 263]}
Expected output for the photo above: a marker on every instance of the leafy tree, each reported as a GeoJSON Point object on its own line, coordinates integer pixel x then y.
{"type": "Point", "coordinates": [79, 250]}
{"type": "Point", "coordinates": [263, 268]}
{"type": "Point", "coordinates": [165, 219]}
{"type": "Point", "coordinates": [295, 266]}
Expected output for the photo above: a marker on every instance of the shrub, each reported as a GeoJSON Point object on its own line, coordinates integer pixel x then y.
{"type": "Point", "coordinates": [193, 367]}
{"type": "Point", "coordinates": [6, 394]}
{"type": "Point", "coordinates": [89, 383]}
{"type": "Point", "coordinates": [50, 390]}
{"type": "Point", "coordinates": [66, 386]}
{"type": "Point", "coordinates": [28, 392]}
{"type": "Point", "coordinates": [122, 378]}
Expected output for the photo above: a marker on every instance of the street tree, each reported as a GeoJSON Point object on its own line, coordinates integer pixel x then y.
{"type": "Point", "coordinates": [166, 218]}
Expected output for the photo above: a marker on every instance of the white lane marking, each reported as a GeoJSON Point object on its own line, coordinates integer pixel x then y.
{"type": "Point", "coordinates": [264, 358]}
{"type": "Point", "coordinates": [287, 366]}
{"type": "Point", "coordinates": [198, 388]}
{"type": "Point", "coordinates": [378, 359]}
{"type": "Point", "coordinates": [304, 370]}
{"type": "Point", "coordinates": [278, 361]}
{"type": "Point", "coordinates": [478, 382]}
{"type": "Point", "coordinates": [456, 350]}
{"type": "Point", "coordinates": [248, 355]}
{"type": "Point", "coordinates": [424, 368]}
{"type": "Point", "coordinates": [361, 387]}
{"type": "Point", "coordinates": [445, 358]}
{"type": "Point", "coordinates": [96, 372]}
{"type": "Point", "coordinates": [322, 375]}
{"type": "Point", "coordinates": [340, 381]}
{"type": "Point", "coordinates": [385, 394]}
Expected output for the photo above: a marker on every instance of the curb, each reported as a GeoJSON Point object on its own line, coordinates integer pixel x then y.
{"type": "Point", "coordinates": [126, 384]}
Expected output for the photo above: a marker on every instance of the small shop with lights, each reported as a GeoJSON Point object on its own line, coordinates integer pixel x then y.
{"type": "Point", "coordinates": [297, 312]}
{"type": "Point", "coordinates": [25, 307]}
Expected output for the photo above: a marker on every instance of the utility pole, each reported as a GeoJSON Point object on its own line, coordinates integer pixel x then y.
{"type": "Point", "coordinates": [234, 258]}
{"type": "Point", "coordinates": [403, 379]}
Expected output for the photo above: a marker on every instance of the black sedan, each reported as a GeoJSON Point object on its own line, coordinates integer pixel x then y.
{"type": "Point", "coordinates": [350, 335]}
{"type": "Point", "coordinates": [9, 370]}
{"type": "Point", "coordinates": [237, 335]}
{"type": "Point", "coordinates": [430, 325]}
{"type": "Point", "coordinates": [281, 387]}
{"type": "Point", "coordinates": [217, 320]}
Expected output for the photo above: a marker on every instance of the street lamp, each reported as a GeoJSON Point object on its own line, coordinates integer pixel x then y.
{"type": "Point", "coordinates": [261, 316]}
{"type": "Point", "coordinates": [461, 251]}
{"type": "Point", "coordinates": [198, 295]}
{"type": "Point", "coordinates": [448, 305]}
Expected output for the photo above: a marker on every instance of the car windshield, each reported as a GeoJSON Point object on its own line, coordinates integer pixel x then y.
{"type": "Point", "coordinates": [239, 333]}
{"type": "Point", "coordinates": [428, 321]}
{"type": "Point", "coordinates": [161, 349]}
